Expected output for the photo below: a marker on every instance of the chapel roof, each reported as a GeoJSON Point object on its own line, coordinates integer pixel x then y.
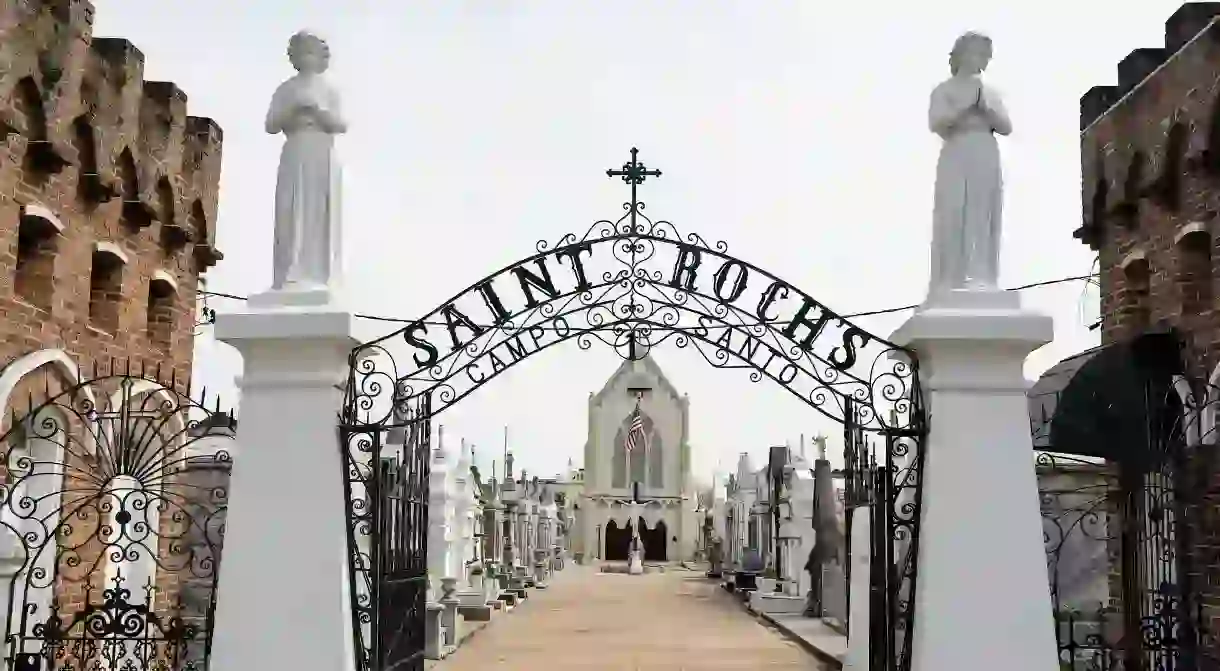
{"type": "Point", "coordinates": [645, 365]}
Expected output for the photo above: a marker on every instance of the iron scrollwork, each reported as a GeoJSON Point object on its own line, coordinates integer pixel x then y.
{"type": "Point", "coordinates": [112, 510]}
{"type": "Point", "coordinates": [386, 485]}
{"type": "Point", "coordinates": [883, 475]}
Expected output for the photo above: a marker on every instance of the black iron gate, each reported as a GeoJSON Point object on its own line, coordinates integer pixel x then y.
{"type": "Point", "coordinates": [111, 522]}
{"type": "Point", "coordinates": [1125, 450]}
{"type": "Point", "coordinates": [882, 472]}
{"type": "Point", "coordinates": [387, 489]}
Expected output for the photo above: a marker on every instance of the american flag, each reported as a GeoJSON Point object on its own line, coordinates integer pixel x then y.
{"type": "Point", "coordinates": [635, 435]}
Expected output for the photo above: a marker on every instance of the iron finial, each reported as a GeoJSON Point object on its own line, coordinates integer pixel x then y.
{"type": "Point", "coordinates": [634, 173]}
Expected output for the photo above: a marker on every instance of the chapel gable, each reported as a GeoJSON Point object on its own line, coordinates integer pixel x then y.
{"type": "Point", "coordinates": [662, 411]}
{"type": "Point", "coordinates": [643, 374]}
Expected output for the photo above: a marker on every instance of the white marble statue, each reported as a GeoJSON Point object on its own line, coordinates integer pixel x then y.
{"type": "Point", "coordinates": [969, 187]}
{"type": "Point", "coordinates": [637, 541]}
{"type": "Point", "coordinates": [635, 556]}
{"type": "Point", "coordinates": [307, 191]}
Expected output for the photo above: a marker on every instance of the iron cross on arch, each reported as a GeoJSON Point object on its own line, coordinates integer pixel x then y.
{"type": "Point", "coordinates": [634, 173]}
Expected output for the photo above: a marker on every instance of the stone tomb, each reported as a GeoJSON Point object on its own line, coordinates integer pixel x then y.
{"type": "Point", "coordinates": [489, 544]}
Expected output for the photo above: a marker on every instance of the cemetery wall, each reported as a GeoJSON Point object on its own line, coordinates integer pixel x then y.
{"type": "Point", "coordinates": [108, 200]}
{"type": "Point", "coordinates": [1150, 188]}
{"type": "Point", "coordinates": [1150, 165]}
{"type": "Point", "coordinates": [108, 195]}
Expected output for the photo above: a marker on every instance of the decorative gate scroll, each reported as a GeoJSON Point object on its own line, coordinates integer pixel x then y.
{"type": "Point", "coordinates": [882, 473]}
{"type": "Point", "coordinates": [111, 521]}
{"type": "Point", "coordinates": [631, 283]}
{"type": "Point", "coordinates": [387, 490]}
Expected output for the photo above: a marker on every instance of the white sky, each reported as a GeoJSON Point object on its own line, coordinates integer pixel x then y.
{"type": "Point", "coordinates": [795, 130]}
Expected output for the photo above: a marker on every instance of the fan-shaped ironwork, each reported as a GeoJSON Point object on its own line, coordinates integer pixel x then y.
{"type": "Point", "coordinates": [112, 510]}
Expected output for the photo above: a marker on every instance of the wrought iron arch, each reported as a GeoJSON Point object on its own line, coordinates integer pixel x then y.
{"type": "Point", "coordinates": [632, 283]}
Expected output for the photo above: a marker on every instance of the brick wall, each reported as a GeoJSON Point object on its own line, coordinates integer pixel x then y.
{"type": "Point", "coordinates": [108, 195]}
{"type": "Point", "coordinates": [1150, 173]}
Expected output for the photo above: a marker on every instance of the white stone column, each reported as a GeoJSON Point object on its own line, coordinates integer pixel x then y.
{"type": "Point", "coordinates": [509, 540]}
{"type": "Point", "coordinates": [476, 573]}
{"type": "Point", "coordinates": [553, 518]}
{"type": "Point", "coordinates": [544, 539]}
{"type": "Point", "coordinates": [496, 530]}
{"type": "Point", "coordinates": [440, 504]}
{"type": "Point", "coordinates": [463, 514]}
{"type": "Point", "coordinates": [800, 530]}
{"type": "Point", "coordinates": [525, 524]}
{"type": "Point", "coordinates": [284, 545]}
{"type": "Point", "coordinates": [491, 578]}
{"type": "Point", "coordinates": [981, 550]}
{"type": "Point", "coordinates": [529, 541]}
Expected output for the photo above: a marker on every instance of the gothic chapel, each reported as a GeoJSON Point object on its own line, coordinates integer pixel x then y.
{"type": "Point", "coordinates": [660, 465]}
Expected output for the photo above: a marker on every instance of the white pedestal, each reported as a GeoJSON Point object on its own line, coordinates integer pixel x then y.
{"type": "Point", "coordinates": [287, 515]}
{"type": "Point", "coordinates": [449, 616]}
{"type": "Point", "coordinates": [634, 565]}
{"type": "Point", "coordinates": [296, 297]}
{"type": "Point", "coordinates": [434, 631]}
{"type": "Point", "coordinates": [983, 592]}
{"type": "Point", "coordinates": [774, 603]}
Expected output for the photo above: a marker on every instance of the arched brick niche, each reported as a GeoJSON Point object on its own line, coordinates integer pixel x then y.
{"type": "Point", "coordinates": [1135, 300]}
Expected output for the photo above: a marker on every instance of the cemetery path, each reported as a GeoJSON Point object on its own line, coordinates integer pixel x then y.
{"type": "Point", "coordinates": [590, 621]}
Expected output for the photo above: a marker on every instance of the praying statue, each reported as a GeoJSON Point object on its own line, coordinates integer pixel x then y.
{"type": "Point", "coordinates": [637, 543]}
{"type": "Point", "coordinates": [307, 190]}
{"type": "Point", "coordinates": [967, 115]}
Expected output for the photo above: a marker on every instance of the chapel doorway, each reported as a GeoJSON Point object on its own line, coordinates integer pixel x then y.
{"type": "Point", "coordinates": [618, 542]}
{"type": "Point", "coordinates": [656, 541]}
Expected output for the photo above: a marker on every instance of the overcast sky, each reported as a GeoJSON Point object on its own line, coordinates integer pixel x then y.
{"type": "Point", "coordinates": [795, 130]}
